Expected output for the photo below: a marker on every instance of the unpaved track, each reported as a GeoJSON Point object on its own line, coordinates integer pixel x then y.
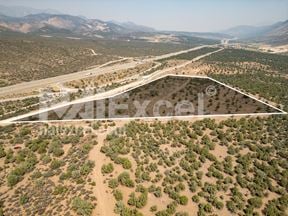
{"type": "Point", "coordinates": [105, 200]}
{"type": "Point", "coordinates": [39, 84]}
{"type": "Point", "coordinates": [144, 80]}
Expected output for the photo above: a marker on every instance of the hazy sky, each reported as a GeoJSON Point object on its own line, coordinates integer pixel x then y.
{"type": "Point", "coordinates": [186, 15]}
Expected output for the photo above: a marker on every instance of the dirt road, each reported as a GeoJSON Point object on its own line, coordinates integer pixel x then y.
{"type": "Point", "coordinates": [39, 84]}
{"type": "Point", "coordinates": [142, 81]}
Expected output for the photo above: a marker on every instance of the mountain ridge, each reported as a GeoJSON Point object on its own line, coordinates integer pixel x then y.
{"type": "Point", "coordinates": [21, 11]}
{"type": "Point", "coordinates": [273, 34]}
{"type": "Point", "coordinates": [47, 23]}
{"type": "Point", "coordinates": [36, 22]}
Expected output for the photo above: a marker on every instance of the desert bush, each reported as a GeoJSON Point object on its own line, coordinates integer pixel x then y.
{"type": "Point", "coordinates": [87, 167]}
{"type": "Point", "coordinates": [23, 199]}
{"type": "Point", "coordinates": [195, 199]}
{"type": "Point", "coordinates": [124, 179]}
{"type": "Point", "coordinates": [140, 201]}
{"type": "Point", "coordinates": [118, 195]}
{"type": "Point", "coordinates": [2, 152]}
{"type": "Point", "coordinates": [153, 208]}
{"type": "Point", "coordinates": [108, 168]}
{"type": "Point", "coordinates": [56, 164]}
{"type": "Point", "coordinates": [183, 200]}
{"type": "Point", "coordinates": [60, 189]}
{"type": "Point", "coordinates": [256, 202]}
{"type": "Point", "coordinates": [82, 207]}
{"type": "Point", "coordinates": [113, 183]}
{"type": "Point", "coordinates": [122, 210]}
{"type": "Point", "coordinates": [96, 125]}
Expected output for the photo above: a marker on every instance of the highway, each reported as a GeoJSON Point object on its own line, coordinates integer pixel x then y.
{"type": "Point", "coordinates": [102, 69]}
{"type": "Point", "coordinates": [140, 82]}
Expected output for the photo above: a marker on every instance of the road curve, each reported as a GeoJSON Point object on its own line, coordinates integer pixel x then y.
{"type": "Point", "coordinates": [144, 80]}
{"type": "Point", "coordinates": [43, 83]}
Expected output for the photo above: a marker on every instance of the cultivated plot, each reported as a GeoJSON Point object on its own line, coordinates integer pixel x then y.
{"type": "Point", "coordinates": [168, 96]}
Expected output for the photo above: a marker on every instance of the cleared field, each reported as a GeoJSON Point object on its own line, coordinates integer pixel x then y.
{"type": "Point", "coordinates": [168, 96]}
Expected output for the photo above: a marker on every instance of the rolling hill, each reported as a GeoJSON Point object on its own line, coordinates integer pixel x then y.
{"type": "Point", "coordinates": [272, 34]}
{"type": "Point", "coordinates": [21, 11]}
{"type": "Point", "coordinates": [43, 23]}
{"type": "Point", "coordinates": [81, 27]}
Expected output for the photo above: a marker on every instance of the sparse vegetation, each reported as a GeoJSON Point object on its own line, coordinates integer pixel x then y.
{"type": "Point", "coordinates": [202, 160]}
{"type": "Point", "coordinates": [82, 207]}
{"type": "Point", "coordinates": [48, 57]}
{"type": "Point", "coordinates": [40, 173]}
{"type": "Point", "coordinates": [236, 166]}
{"type": "Point", "coordinates": [224, 101]}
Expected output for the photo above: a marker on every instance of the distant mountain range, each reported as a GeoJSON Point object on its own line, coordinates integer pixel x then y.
{"type": "Point", "coordinates": [50, 22]}
{"type": "Point", "coordinates": [45, 24]}
{"type": "Point", "coordinates": [134, 27]}
{"type": "Point", "coordinates": [20, 11]}
{"type": "Point", "coordinates": [75, 26]}
{"type": "Point", "coordinates": [272, 34]}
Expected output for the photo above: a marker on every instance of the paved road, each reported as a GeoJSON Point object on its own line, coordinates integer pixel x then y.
{"type": "Point", "coordinates": [38, 84]}
{"type": "Point", "coordinates": [142, 81]}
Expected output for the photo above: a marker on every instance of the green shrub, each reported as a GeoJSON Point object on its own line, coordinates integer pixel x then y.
{"type": "Point", "coordinates": [231, 206]}
{"type": "Point", "coordinates": [140, 201]}
{"type": "Point", "coordinates": [256, 202]}
{"type": "Point", "coordinates": [113, 183]}
{"type": "Point", "coordinates": [157, 193]}
{"type": "Point", "coordinates": [2, 152]}
{"type": "Point", "coordinates": [183, 200]}
{"type": "Point", "coordinates": [82, 207]}
{"type": "Point", "coordinates": [46, 159]}
{"type": "Point", "coordinates": [56, 148]}
{"type": "Point", "coordinates": [107, 169]}
{"type": "Point", "coordinates": [37, 174]}
{"type": "Point", "coordinates": [96, 125]}
{"type": "Point", "coordinates": [86, 168]}
{"type": "Point", "coordinates": [124, 179]}
{"type": "Point", "coordinates": [207, 208]}
{"type": "Point", "coordinates": [195, 199]}
{"type": "Point", "coordinates": [13, 179]}
{"type": "Point", "coordinates": [218, 204]}
{"type": "Point", "coordinates": [60, 189]}
{"type": "Point", "coordinates": [55, 164]}
{"type": "Point", "coordinates": [23, 199]}
{"type": "Point", "coordinates": [17, 174]}
{"type": "Point", "coordinates": [86, 148]}
{"type": "Point", "coordinates": [153, 208]}
{"type": "Point", "coordinates": [126, 164]}
{"type": "Point", "coordinates": [118, 195]}
{"type": "Point", "coordinates": [122, 210]}
{"type": "Point", "coordinates": [24, 131]}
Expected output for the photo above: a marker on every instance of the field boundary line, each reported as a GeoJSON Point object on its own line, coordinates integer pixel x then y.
{"type": "Point", "coordinates": [92, 98]}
